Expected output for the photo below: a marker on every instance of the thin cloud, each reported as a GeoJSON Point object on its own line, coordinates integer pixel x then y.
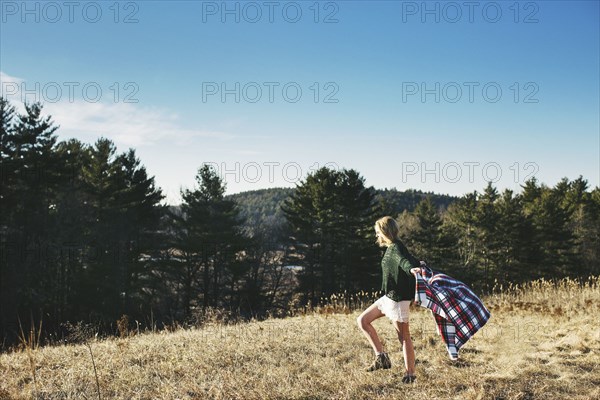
{"type": "Point", "coordinates": [7, 79]}
{"type": "Point", "coordinates": [127, 124]}
{"type": "Point", "coordinates": [10, 88]}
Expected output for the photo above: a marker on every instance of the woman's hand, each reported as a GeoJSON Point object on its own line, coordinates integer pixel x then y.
{"type": "Point", "coordinates": [415, 271]}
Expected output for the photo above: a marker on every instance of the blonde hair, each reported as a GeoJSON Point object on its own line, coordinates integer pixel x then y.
{"type": "Point", "coordinates": [387, 230]}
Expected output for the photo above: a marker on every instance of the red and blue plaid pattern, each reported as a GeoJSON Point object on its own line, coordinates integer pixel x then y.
{"type": "Point", "coordinates": [458, 312]}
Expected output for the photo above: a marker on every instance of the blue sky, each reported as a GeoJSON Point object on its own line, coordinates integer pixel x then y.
{"type": "Point", "coordinates": [437, 96]}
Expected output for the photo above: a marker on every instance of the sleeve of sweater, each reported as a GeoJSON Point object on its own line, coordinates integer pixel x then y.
{"type": "Point", "coordinates": [406, 260]}
{"type": "Point", "coordinates": [405, 265]}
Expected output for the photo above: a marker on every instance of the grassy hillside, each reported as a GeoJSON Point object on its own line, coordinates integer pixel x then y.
{"type": "Point", "coordinates": [543, 342]}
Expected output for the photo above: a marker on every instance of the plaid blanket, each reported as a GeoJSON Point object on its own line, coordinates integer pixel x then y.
{"type": "Point", "coordinates": [458, 312]}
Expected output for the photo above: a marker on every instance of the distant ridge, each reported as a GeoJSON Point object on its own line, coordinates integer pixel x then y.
{"type": "Point", "coordinates": [263, 207]}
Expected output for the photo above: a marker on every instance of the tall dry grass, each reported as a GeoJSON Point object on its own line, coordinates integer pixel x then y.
{"type": "Point", "coordinates": [542, 342]}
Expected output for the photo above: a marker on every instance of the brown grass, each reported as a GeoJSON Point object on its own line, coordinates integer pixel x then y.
{"type": "Point", "coordinates": [543, 342]}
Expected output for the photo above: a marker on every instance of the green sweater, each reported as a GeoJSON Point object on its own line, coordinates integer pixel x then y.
{"type": "Point", "coordinates": [397, 281]}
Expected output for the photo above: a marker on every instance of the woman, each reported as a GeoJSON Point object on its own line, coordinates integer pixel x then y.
{"type": "Point", "coordinates": [398, 286]}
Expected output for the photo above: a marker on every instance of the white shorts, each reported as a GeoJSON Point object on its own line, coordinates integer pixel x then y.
{"type": "Point", "coordinates": [394, 310]}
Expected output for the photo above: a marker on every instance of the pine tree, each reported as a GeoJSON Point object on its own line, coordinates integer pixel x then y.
{"type": "Point", "coordinates": [531, 195]}
{"type": "Point", "coordinates": [307, 214]}
{"type": "Point", "coordinates": [9, 277]}
{"type": "Point", "coordinates": [551, 222]}
{"type": "Point", "coordinates": [33, 163]}
{"type": "Point", "coordinates": [356, 220]}
{"type": "Point", "coordinates": [8, 164]}
{"type": "Point", "coordinates": [29, 188]}
{"type": "Point", "coordinates": [429, 223]}
{"type": "Point", "coordinates": [592, 235]}
{"type": "Point", "coordinates": [68, 230]}
{"type": "Point", "coordinates": [461, 224]}
{"type": "Point", "coordinates": [331, 219]}
{"type": "Point", "coordinates": [209, 238]}
{"type": "Point", "coordinates": [98, 288]}
{"type": "Point", "coordinates": [518, 255]}
{"type": "Point", "coordinates": [578, 204]}
{"type": "Point", "coordinates": [429, 242]}
{"type": "Point", "coordinates": [488, 223]}
{"type": "Point", "coordinates": [121, 213]}
{"type": "Point", "coordinates": [138, 216]}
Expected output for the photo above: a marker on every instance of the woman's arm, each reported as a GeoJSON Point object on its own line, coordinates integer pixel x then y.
{"type": "Point", "coordinates": [407, 260]}
{"type": "Point", "coordinates": [418, 270]}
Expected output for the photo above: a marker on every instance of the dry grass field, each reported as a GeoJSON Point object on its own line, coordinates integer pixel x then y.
{"type": "Point", "coordinates": [542, 342]}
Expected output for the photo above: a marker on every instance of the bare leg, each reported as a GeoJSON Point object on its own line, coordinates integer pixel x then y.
{"type": "Point", "coordinates": [407, 347]}
{"type": "Point", "coordinates": [364, 323]}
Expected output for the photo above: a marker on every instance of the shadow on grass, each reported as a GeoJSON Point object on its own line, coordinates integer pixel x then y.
{"type": "Point", "coordinates": [473, 351]}
{"type": "Point", "coordinates": [460, 363]}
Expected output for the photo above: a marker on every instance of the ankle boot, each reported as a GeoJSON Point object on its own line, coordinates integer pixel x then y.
{"type": "Point", "coordinates": [382, 361]}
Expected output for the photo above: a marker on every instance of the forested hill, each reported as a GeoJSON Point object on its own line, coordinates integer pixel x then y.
{"type": "Point", "coordinates": [263, 207]}
{"type": "Point", "coordinates": [393, 201]}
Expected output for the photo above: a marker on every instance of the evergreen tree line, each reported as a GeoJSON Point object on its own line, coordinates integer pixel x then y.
{"type": "Point", "coordinates": [84, 236]}
{"type": "Point", "coordinates": [490, 237]}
